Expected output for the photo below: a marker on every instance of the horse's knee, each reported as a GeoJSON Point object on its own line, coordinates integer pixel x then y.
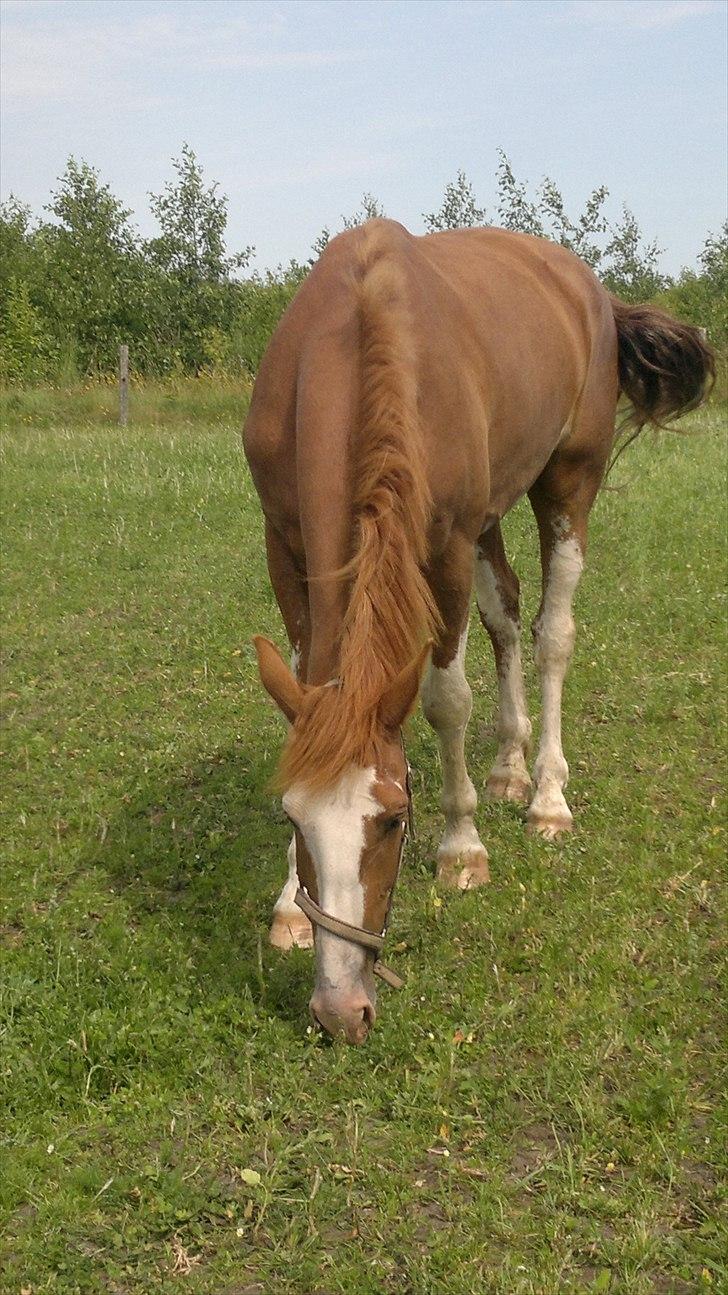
{"type": "Point", "coordinates": [447, 699]}
{"type": "Point", "coordinates": [554, 635]}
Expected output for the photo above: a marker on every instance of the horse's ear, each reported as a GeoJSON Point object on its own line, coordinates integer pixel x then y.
{"type": "Point", "coordinates": [400, 695]}
{"type": "Point", "coordinates": [277, 679]}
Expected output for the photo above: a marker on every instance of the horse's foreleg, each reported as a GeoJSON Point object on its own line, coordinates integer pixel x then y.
{"type": "Point", "coordinates": [447, 701]}
{"type": "Point", "coordinates": [290, 926]}
{"type": "Point", "coordinates": [497, 591]}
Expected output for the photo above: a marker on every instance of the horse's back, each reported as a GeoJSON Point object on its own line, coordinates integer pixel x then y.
{"type": "Point", "coordinates": [506, 330]}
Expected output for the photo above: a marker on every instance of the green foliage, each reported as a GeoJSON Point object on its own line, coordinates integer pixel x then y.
{"type": "Point", "coordinates": [581, 235]}
{"type": "Point", "coordinates": [516, 210]}
{"type": "Point", "coordinates": [261, 301]}
{"type": "Point", "coordinates": [75, 286]}
{"type": "Point", "coordinates": [25, 348]}
{"type": "Point", "coordinates": [459, 209]}
{"type": "Point", "coordinates": [702, 298]}
{"type": "Point", "coordinates": [193, 220]}
{"type": "Point", "coordinates": [15, 238]}
{"type": "Point", "coordinates": [632, 271]}
{"type": "Point", "coordinates": [198, 295]}
{"type": "Point", "coordinates": [90, 270]}
{"type": "Point", "coordinates": [371, 209]}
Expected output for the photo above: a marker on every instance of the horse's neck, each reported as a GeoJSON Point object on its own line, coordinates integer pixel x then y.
{"type": "Point", "coordinates": [327, 614]}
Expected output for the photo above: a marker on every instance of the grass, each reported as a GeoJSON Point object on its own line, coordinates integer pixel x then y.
{"type": "Point", "coordinates": [209, 398]}
{"type": "Point", "coordinates": [539, 1109]}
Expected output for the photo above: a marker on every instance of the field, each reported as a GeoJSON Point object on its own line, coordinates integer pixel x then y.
{"type": "Point", "coordinates": [538, 1110]}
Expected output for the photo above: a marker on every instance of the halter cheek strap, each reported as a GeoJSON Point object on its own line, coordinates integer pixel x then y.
{"type": "Point", "coordinates": [359, 934]}
{"type": "Point", "coordinates": [354, 934]}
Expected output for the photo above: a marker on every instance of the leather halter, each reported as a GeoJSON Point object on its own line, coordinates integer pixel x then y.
{"type": "Point", "coordinates": [359, 934]}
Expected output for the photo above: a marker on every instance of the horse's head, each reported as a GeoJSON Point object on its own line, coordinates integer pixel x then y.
{"type": "Point", "coordinates": [350, 831]}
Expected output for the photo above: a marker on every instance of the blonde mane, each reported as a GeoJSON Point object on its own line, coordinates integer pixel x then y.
{"type": "Point", "coordinates": [391, 611]}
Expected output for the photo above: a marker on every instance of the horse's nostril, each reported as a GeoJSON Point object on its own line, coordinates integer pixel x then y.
{"type": "Point", "coordinates": [349, 1018]}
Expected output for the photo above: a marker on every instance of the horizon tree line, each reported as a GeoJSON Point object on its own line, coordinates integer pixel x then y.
{"type": "Point", "coordinates": [80, 280]}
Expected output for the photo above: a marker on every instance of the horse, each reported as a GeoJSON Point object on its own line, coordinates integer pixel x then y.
{"type": "Point", "coordinates": [414, 390]}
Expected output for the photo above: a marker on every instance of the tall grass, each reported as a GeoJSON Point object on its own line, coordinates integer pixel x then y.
{"type": "Point", "coordinates": [209, 398]}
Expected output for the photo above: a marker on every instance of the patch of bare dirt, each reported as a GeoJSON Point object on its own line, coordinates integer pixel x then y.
{"type": "Point", "coordinates": [535, 1145]}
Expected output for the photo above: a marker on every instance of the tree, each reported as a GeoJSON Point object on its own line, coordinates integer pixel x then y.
{"type": "Point", "coordinates": [515, 209]}
{"type": "Point", "coordinates": [26, 350]}
{"type": "Point", "coordinates": [546, 215]}
{"type": "Point", "coordinates": [702, 298]}
{"type": "Point", "coordinates": [371, 209]}
{"type": "Point", "coordinates": [198, 287]}
{"type": "Point", "coordinates": [15, 241]}
{"type": "Point", "coordinates": [458, 210]}
{"type": "Point", "coordinates": [91, 268]}
{"type": "Point", "coordinates": [193, 220]}
{"type": "Point", "coordinates": [580, 235]}
{"type": "Point", "coordinates": [261, 302]}
{"type": "Point", "coordinates": [633, 272]}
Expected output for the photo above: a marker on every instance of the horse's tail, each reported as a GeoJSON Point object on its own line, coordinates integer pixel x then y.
{"type": "Point", "coordinates": [665, 367]}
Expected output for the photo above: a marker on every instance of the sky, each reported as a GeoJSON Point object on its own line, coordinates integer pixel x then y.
{"type": "Point", "coordinates": [297, 107]}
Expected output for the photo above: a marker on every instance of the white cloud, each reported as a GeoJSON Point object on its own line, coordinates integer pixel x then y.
{"type": "Point", "coordinates": [45, 58]}
{"type": "Point", "coordinates": [641, 15]}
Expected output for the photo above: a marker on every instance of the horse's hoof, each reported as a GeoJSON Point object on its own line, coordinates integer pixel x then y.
{"type": "Point", "coordinates": [291, 930]}
{"type": "Point", "coordinates": [549, 826]}
{"type": "Point", "coordinates": [515, 787]}
{"type": "Point", "coordinates": [463, 871]}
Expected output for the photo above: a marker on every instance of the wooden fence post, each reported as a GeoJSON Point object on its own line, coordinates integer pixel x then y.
{"type": "Point", "coordinates": [123, 385]}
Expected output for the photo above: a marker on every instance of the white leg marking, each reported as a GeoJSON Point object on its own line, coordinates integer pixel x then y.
{"type": "Point", "coordinates": [332, 823]}
{"type": "Point", "coordinates": [509, 776]}
{"type": "Point", "coordinates": [447, 703]}
{"type": "Point", "coordinates": [290, 926]}
{"type": "Point", "coordinates": [554, 633]}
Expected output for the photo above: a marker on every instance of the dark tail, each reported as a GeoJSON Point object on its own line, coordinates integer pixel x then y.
{"type": "Point", "coordinates": [665, 367]}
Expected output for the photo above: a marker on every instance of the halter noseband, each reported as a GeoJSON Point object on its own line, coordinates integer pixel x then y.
{"type": "Point", "coordinates": [359, 934]}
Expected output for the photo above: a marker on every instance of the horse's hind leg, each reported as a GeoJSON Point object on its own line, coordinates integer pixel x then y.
{"type": "Point", "coordinates": [447, 701]}
{"type": "Point", "coordinates": [561, 499]}
{"type": "Point", "coordinates": [497, 591]}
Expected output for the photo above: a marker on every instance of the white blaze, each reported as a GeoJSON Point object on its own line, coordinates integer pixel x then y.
{"type": "Point", "coordinates": [332, 824]}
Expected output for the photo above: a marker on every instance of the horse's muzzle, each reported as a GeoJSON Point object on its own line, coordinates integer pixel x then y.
{"type": "Point", "coordinates": [347, 1014]}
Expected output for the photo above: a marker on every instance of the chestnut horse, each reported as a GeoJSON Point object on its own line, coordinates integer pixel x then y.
{"type": "Point", "coordinates": [414, 390]}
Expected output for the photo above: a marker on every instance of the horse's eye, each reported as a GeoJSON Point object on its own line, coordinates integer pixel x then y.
{"type": "Point", "coordinates": [391, 824]}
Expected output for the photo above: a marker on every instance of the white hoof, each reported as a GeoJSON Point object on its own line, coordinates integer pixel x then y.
{"type": "Point", "coordinates": [509, 784]}
{"type": "Point", "coordinates": [464, 871]}
{"type": "Point", "coordinates": [548, 814]}
{"type": "Point", "coordinates": [290, 929]}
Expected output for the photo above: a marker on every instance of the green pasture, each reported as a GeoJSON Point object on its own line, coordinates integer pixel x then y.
{"type": "Point", "coordinates": [538, 1110]}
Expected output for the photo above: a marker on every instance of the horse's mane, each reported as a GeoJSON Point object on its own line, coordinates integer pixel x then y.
{"type": "Point", "coordinates": [391, 610]}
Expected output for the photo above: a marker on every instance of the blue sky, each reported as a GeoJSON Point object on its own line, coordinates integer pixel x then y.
{"type": "Point", "coordinates": [298, 108]}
